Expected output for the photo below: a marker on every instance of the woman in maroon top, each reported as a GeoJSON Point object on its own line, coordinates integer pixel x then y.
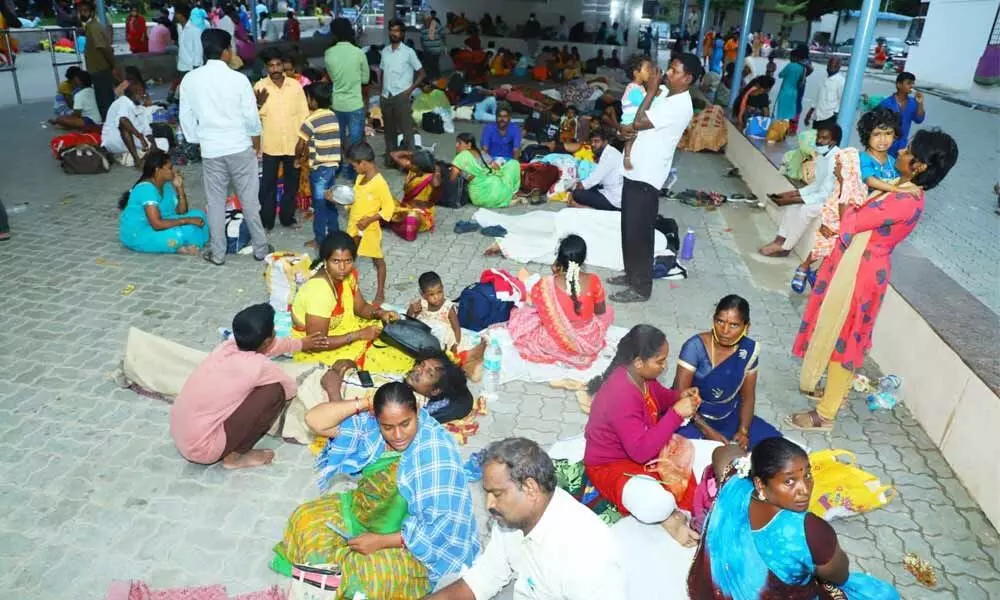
{"type": "Point", "coordinates": [631, 419]}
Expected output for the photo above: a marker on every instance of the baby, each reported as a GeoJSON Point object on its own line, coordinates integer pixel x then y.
{"type": "Point", "coordinates": [436, 311]}
{"type": "Point", "coordinates": [640, 67]}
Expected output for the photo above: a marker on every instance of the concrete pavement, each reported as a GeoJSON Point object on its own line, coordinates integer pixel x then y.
{"type": "Point", "coordinates": [92, 489]}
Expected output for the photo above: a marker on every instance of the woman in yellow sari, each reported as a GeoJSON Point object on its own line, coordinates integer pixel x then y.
{"type": "Point", "coordinates": [331, 303]}
{"type": "Point", "coordinates": [422, 181]}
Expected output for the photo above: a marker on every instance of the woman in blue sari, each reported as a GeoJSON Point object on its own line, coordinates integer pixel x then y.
{"type": "Point", "coordinates": [722, 364]}
{"type": "Point", "coordinates": [155, 215]}
{"type": "Point", "coordinates": [715, 61]}
{"type": "Point", "coordinates": [760, 540]}
{"type": "Point", "coordinates": [792, 75]}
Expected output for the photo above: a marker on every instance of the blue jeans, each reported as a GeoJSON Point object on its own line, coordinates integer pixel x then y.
{"type": "Point", "coordinates": [352, 131]}
{"type": "Point", "coordinates": [325, 216]}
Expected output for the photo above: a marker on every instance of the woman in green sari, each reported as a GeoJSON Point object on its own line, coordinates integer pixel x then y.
{"type": "Point", "coordinates": [490, 185]}
{"type": "Point", "coordinates": [408, 523]}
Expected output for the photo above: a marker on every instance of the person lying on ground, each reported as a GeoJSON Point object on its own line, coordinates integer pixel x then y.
{"type": "Point", "coordinates": [543, 538]}
{"type": "Point", "coordinates": [235, 395]}
{"type": "Point", "coordinates": [155, 216]}
{"type": "Point", "coordinates": [126, 133]}
{"type": "Point", "coordinates": [409, 523]}
{"type": "Point", "coordinates": [86, 116]}
{"type": "Point", "coordinates": [722, 364]}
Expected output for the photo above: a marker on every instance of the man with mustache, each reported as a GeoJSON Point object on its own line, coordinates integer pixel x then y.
{"type": "Point", "coordinates": [401, 74]}
{"type": "Point", "coordinates": [551, 545]}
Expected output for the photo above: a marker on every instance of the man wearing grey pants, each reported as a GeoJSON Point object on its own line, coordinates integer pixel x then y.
{"type": "Point", "coordinates": [219, 111]}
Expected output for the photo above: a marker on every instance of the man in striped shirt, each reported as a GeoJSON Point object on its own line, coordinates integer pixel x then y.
{"type": "Point", "coordinates": [319, 144]}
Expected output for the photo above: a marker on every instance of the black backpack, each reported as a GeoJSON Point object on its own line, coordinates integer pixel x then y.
{"type": "Point", "coordinates": [432, 123]}
{"type": "Point", "coordinates": [479, 307]}
{"type": "Point", "coordinates": [668, 227]}
{"type": "Point", "coordinates": [454, 194]}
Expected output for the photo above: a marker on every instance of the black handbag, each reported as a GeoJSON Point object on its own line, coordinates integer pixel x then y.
{"type": "Point", "coordinates": [454, 194]}
{"type": "Point", "coordinates": [412, 337]}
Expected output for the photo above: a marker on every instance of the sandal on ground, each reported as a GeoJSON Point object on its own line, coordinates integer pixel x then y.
{"type": "Point", "coordinates": [628, 296]}
{"type": "Point", "coordinates": [207, 255]}
{"type": "Point", "coordinates": [4, 236]}
{"type": "Point", "coordinates": [493, 231]}
{"type": "Point", "coordinates": [808, 421]}
{"type": "Point", "coordinates": [799, 280]}
{"type": "Point", "coordinates": [779, 253]}
{"type": "Point", "coordinates": [268, 252]}
{"type": "Point", "coordinates": [466, 227]}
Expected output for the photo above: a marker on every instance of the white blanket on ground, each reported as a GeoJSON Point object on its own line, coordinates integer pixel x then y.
{"type": "Point", "coordinates": [534, 236]}
{"type": "Point", "coordinates": [515, 368]}
{"type": "Point", "coordinates": [657, 565]}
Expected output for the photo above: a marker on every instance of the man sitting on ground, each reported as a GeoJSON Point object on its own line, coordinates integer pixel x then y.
{"type": "Point", "coordinates": [127, 134]}
{"type": "Point", "coordinates": [801, 207]}
{"type": "Point", "coordinates": [502, 139]}
{"type": "Point", "coordinates": [603, 188]}
{"type": "Point", "coordinates": [555, 547]}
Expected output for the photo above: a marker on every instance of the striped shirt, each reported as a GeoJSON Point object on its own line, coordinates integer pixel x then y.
{"type": "Point", "coordinates": [321, 131]}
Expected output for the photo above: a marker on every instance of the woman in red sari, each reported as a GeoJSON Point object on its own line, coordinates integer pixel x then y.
{"type": "Point", "coordinates": [135, 31]}
{"type": "Point", "coordinates": [836, 329]}
{"type": "Point", "coordinates": [567, 318]}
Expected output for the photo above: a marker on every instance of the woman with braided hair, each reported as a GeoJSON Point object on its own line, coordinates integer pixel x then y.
{"type": "Point", "coordinates": [567, 318]}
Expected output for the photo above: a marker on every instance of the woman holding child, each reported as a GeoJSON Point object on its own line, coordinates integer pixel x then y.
{"type": "Point", "coordinates": [837, 326]}
{"type": "Point", "coordinates": [722, 364]}
{"type": "Point", "coordinates": [490, 186]}
{"type": "Point", "coordinates": [567, 317]}
{"type": "Point", "coordinates": [155, 216]}
{"type": "Point", "coordinates": [408, 523]}
{"type": "Point", "coordinates": [331, 304]}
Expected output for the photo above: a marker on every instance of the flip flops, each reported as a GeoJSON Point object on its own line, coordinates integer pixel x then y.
{"type": "Point", "coordinates": [466, 227]}
{"type": "Point", "coordinates": [493, 231]}
{"type": "Point", "coordinates": [815, 422]}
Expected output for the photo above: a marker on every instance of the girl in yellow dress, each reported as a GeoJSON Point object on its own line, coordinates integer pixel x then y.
{"type": "Point", "coordinates": [331, 303]}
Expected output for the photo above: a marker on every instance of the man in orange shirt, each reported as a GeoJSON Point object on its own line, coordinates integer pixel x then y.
{"type": "Point", "coordinates": [732, 45]}
{"type": "Point", "coordinates": [283, 108]}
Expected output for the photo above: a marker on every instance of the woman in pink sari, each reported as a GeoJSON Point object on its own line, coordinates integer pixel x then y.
{"type": "Point", "coordinates": [567, 318]}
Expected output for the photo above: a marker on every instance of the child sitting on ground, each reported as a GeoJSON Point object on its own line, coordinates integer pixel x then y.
{"type": "Point", "coordinates": [373, 202]}
{"type": "Point", "coordinates": [234, 396]}
{"type": "Point", "coordinates": [568, 125]}
{"type": "Point", "coordinates": [640, 67]}
{"type": "Point", "coordinates": [878, 129]}
{"type": "Point", "coordinates": [434, 309]}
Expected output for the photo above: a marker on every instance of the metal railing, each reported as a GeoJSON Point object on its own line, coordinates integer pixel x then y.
{"type": "Point", "coordinates": [11, 66]}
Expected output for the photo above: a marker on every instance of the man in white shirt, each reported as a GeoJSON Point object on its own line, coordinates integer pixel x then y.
{"type": "Point", "coordinates": [607, 176]}
{"type": "Point", "coordinates": [401, 74]}
{"type": "Point", "coordinates": [551, 545]}
{"type": "Point", "coordinates": [657, 130]}
{"type": "Point", "coordinates": [218, 110]}
{"type": "Point", "coordinates": [801, 206]}
{"type": "Point", "coordinates": [126, 133]}
{"type": "Point", "coordinates": [190, 54]}
{"type": "Point", "coordinates": [562, 33]}
{"type": "Point", "coordinates": [829, 96]}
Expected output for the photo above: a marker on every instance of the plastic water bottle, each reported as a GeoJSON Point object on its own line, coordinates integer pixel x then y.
{"type": "Point", "coordinates": [491, 370]}
{"type": "Point", "coordinates": [687, 246]}
{"type": "Point", "coordinates": [179, 137]}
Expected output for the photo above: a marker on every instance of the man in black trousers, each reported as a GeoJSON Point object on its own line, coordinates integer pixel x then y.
{"type": "Point", "coordinates": [659, 124]}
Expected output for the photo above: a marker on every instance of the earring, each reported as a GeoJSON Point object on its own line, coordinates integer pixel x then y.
{"type": "Point", "coordinates": [761, 496]}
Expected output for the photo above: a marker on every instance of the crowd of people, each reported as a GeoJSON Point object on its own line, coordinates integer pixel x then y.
{"type": "Point", "coordinates": [407, 530]}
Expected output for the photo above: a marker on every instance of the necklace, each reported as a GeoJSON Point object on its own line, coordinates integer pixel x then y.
{"type": "Point", "coordinates": [642, 388]}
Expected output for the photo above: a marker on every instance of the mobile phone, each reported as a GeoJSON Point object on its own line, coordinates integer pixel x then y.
{"type": "Point", "coordinates": [338, 530]}
{"type": "Point", "coordinates": [366, 379]}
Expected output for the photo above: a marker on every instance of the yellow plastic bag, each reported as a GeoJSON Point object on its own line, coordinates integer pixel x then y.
{"type": "Point", "coordinates": [283, 274]}
{"type": "Point", "coordinates": [842, 488]}
{"type": "Point", "coordinates": [778, 130]}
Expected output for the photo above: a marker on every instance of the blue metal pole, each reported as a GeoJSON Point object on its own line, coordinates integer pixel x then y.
{"type": "Point", "coordinates": [741, 53]}
{"type": "Point", "coordinates": [856, 70]}
{"type": "Point", "coordinates": [102, 12]}
{"type": "Point", "coordinates": [683, 23]}
{"type": "Point", "coordinates": [703, 29]}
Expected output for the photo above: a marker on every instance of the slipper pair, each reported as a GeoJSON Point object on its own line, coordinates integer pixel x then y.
{"type": "Point", "coordinates": [470, 226]}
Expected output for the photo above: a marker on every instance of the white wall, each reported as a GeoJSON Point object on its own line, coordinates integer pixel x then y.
{"type": "Point", "coordinates": [849, 27]}
{"type": "Point", "coordinates": [955, 35]}
{"type": "Point", "coordinates": [515, 12]}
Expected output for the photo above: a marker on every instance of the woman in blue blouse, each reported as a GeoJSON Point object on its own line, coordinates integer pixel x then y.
{"type": "Point", "coordinates": [722, 364]}
{"type": "Point", "coordinates": [155, 215]}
